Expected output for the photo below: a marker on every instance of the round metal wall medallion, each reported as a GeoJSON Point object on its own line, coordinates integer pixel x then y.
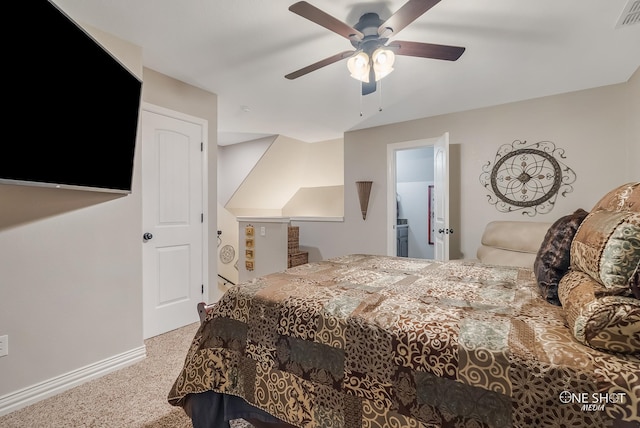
{"type": "Point", "coordinates": [528, 177]}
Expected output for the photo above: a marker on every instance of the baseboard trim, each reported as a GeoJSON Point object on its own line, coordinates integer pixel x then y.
{"type": "Point", "coordinates": [32, 394]}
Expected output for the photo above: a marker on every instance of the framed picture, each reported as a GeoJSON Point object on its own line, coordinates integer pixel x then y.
{"type": "Point", "coordinates": [248, 243]}
{"type": "Point", "coordinates": [431, 215]}
{"type": "Point", "coordinates": [248, 254]}
{"type": "Point", "coordinates": [249, 231]}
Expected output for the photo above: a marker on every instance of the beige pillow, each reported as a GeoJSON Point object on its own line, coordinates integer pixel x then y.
{"type": "Point", "coordinates": [522, 236]}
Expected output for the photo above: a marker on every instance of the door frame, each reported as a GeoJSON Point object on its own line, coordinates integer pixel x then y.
{"type": "Point", "coordinates": [392, 185]}
{"type": "Point", "coordinates": [204, 123]}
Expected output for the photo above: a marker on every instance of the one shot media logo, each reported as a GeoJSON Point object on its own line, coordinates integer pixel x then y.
{"type": "Point", "coordinates": [594, 401]}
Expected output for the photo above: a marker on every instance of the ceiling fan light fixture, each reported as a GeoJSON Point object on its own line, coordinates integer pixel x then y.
{"type": "Point", "coordinates": [359, 66]}
{"type": "Point", "coordinates": [383, 60]}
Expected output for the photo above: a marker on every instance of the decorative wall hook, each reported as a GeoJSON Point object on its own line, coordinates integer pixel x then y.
{"type": "Point", "coordinates": [364, 190]}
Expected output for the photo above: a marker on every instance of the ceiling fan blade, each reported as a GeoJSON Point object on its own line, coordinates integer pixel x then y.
{"type": "Point", "coordinates": [426, 50]}
{"type": "Point", "coordinates": [325, 20]}
{"type": "Point", "coordinates": [319, 64]}
{"type": "Point", "coordinates": [408, 13]}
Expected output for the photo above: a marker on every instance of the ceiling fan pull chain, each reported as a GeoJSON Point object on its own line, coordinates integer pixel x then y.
{"type": "Point", "coordinates": [380, 95]}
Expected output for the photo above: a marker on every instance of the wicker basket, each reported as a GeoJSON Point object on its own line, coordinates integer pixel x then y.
{"type": "Point", "coordinates": [294, 240]}
{"type": "Point", "coordinates": [298, 259]}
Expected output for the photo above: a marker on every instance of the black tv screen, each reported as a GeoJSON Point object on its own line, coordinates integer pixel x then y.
{"type": "Point", "coordinates": [76, 106]}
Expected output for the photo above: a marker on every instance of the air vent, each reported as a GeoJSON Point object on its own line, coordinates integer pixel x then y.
{"type": "Point", "coordinates": [630, 14]}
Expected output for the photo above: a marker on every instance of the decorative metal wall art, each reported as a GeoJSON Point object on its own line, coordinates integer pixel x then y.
{"type": "Point", "coordinates": [528, 177]}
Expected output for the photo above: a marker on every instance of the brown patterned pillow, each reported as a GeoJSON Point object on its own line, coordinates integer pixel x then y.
{"type": "Point", "coordinates": [596, 319]}
{"type": "Point", "coordinates": [607, 248]}
{"type": "Point", "coordinates": [622, 198]}
{"type": "Point", "coordinates": [552, 260]}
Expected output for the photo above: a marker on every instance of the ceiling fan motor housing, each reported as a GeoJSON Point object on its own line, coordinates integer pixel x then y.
{"type": "Point", "coordinates": [368, 25]}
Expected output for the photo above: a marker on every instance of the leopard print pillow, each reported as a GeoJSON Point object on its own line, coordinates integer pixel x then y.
{"type": "Point", "coordinates": [553, 258]}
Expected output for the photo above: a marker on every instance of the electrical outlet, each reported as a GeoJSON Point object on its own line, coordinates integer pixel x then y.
{"type": "Point", "coordinates": [263, 231]}
{"type": "Point", "coordinates": [4, 345]}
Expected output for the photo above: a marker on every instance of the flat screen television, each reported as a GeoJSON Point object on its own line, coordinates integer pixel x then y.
{"type": "Point", "coordinates": [73, 106]}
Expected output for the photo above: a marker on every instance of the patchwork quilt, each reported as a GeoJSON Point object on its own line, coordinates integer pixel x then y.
{"type": "Point", "coordinates": [377, 341]}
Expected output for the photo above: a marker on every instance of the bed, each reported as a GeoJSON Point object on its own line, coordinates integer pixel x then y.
{"type": "Point", "coordinates": [376, 341]}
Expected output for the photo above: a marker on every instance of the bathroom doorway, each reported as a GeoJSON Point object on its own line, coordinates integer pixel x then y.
{"type": "Point", "coordinates": [414, 185]}
{"type": "Point", "coordinates": [418, 198]}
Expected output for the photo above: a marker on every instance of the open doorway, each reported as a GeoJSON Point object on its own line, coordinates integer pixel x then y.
{"type": "Point", "coordinates": [414, 192]}
{"type": "Point", "coordinates": [418, 188]}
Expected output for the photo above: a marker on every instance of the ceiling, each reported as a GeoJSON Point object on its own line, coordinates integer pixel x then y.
{"type": "Point", "coordinates": [242, 49]}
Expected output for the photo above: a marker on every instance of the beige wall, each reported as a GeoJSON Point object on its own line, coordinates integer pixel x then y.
{"type": "Point", "coordinates": [286, 166]}
{"type": "Point", "coordinates": [236, 161]}
{"type": "Point", "coordinates": [70, 266]}
{"type": "Point", "coordinates": [597, 128]}
{"type": "Point", "coordinates": [71, 261]}
{"type": "Point", "coordinates": [276, 176]}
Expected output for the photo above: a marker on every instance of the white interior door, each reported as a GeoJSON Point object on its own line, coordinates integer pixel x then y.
{"type": "Point", "coordinates": [441, 197]}
{"type": "Point", "coordinates": [172, 206]}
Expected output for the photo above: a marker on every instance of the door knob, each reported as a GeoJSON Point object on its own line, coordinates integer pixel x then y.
{"type": "Point", "coordinates": [147, 236]}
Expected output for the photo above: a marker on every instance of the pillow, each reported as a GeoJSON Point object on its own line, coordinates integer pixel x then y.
{"type": "Point", "coordinates": [607, 248]}
{"type": "Point", "coordinates": [596, 319]}
{"type": "Point", "coordinates": [553, 258]}
{"type": "Point", "coordinates": [521, 236]}
{"type": "Point", "coordinates": [622, 198]}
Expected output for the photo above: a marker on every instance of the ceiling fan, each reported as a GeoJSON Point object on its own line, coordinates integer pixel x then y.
{"type": "Point", "coordinates": [372, 58]}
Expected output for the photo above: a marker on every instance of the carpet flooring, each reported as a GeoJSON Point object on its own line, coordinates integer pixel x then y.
{"type": "Point", "coordinates": [133, 397]}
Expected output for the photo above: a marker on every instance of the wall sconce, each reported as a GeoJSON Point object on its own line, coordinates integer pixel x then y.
{"type": "Point", "coordinates": [364, 190]}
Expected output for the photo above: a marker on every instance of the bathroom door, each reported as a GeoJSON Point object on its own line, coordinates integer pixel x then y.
{"type": "Point", "coordinates": [441, 197]}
